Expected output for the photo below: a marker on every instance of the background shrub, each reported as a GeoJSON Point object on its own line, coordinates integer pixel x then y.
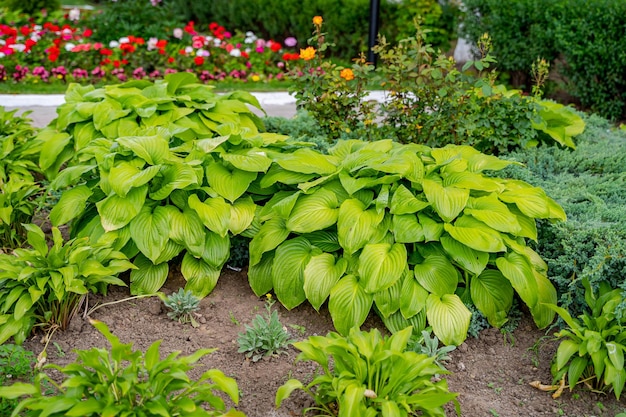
{"type": "Point", "coordinates": [590, 184]}
{"type": "Point", "coordinates": [31, 6]}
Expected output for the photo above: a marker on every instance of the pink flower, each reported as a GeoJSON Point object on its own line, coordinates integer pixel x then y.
{"type": "Point", "coordinates": [178, 33]}
{"type": "Point", "coordinates": [291, 42]}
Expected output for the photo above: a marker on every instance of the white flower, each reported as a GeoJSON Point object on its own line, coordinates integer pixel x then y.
{"type": "Point", "coordinates": [152, 43]}
{"type": "Point", "coordinates": [217, 42]}
{"type": "Point", "coordinates": [2, 55]}
{"type": "Point", "coordinates": [235, 52]}
{"type": "Point", "coordinates": [67, 31]}
{"type": "Point", "coordinates": [19, 47]}
{"type": "Point", "coordinates": [3, 42]}
{"type": "Point", "coordinates": [202, 52]}
{"type": "Point", "coordinates": [178, 33]}
{"type": "Point", "coordinates": [74, 14]}
{"type": "Point", "coordinates": [69, 46]}
{"type": "Point", "coordinates": [124, 40]}
{"type": "Point", "coordinates": [188, 49]}
{"type": "Point", "coordinates": [114, 44]}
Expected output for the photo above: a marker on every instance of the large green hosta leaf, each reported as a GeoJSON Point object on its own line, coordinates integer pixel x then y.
{"type": "Point", "coordinates": [473, 181]}
{"type": "Point", "coordinates": [116, 212]}
{"type": "Point", "coordinates": [476, 235]}
{"type": "Point", "coordinates": [187, 229]}
{"type": "Point", "coordinates": [216, 250]}
{"type": "Point", "coordinates": [320, 276]}
{"type": "Point", "coordinates": [518, 270]}
{"type": "Point", "coordinates": [437, 275]}
{"type": "Point", "coordinates": [249, 159]}
{"type": "Point", "coordinates": [412, 296]}
{"type": "Point", "coordinates": [125, 176]}
{"type": "Point", "coordinates": [448, 202]}
{"type": "Point", "coordinates": [546, 295]}
{"type": "Point", "coordinates": [397, 322]}
{"type": "Point", "coordinates": [356, 225]}
{"type": "Point", "coordinates": [308, 161]}
{"type": "Point", "coordinates": [70, 205]}
{"type": "Point", "coordinates": [559, 121]}
{"type": "Point", "coordinates": [213, 212]}
{"type": "Point", "coordinates": [404, 201]}
{"type": "Point", "coordinates": [271, 234]}
{"type": "Point", "coordinates": [148, 278]}
{"type": "Point", "coordinates": [381, 265]}
{"type": "Point", "coordinates": [288, 271]}
{"type": "Point", "coordinates": [150, 230]}
{"type": "Point", "coordinates": [278, 174]}
{"type": "Point", "coordinates": [406, 228]}
{"type": "Point", "coordinates": [174, 176]}
{"type": "Point", "coordinates": [532, 201]}
{"type": "Point", "coordinates": [388, 301]}
{"type": "Point", "coordinates": [241, 215]}
{"type": "Point", "coordinates": [153, 149]}
{"type": "Point", "coordinates": [349, 304]}
{"type": "Point", "coordinates": [201, 277]}
{"type": "Point", "coordinates": [468, 258]}
{"type": "Point", "coordinates": [494, 214]}
{"type": "Point", "coordinates": [449, 318]}
{"type": "Point", "coordinates": [260, 274]}
{"type": "Point", "coordinates": [492, 294]}
{"type": "Point", "coordinates": [315, 211]}
{"type": "Point", "coordinates": [230, 184]}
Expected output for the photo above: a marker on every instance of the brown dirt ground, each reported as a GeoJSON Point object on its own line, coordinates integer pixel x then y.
{"type": "Point", "coordinates": [490, 373]}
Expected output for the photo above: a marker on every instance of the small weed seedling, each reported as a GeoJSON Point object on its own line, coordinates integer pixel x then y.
{"type": "Point", "coordinates": [233, 319]}
{"type": "Point", "coordinates": [430, 346]}
{"type": "Point", "coordinates": [15, 363]}
{"type": "Point", "coordinates": [183, 305]}
{"type": "Point", "coordinates": [497, 390]}
{"type": "Point", "coordinates": [266, 336]}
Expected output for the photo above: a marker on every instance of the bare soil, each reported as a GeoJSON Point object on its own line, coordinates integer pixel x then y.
{"type": "Point", "coordinates": [491, 374]}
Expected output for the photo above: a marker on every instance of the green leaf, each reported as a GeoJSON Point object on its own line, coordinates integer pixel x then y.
{"type": "Point", "coordinates": [230, 184]}
{"type": "Point", "coordinates": [349, 304]}
{"type": "Point", "coordinates": [381, 265]}
{"type": "Point", "coordinates": [249, 159]}
{"type": "Point", "coordinates": [70, 176]}
{"type": "Point", "coordinates": [355, 225]}
{"type": "Point", "coordinates": [285, 390]}
{"type": "Point", "coordinates": [308, 161]}
{"type": "Point", "coordinates": [213, 212]}
{"type": "Point", "coordinates": [531, 201]}
{"type": "Point", "coordinates": [404, 201]}
{"type": "Point", "coordinates": [320, 276]}
{"type": "Point", "coordinates": [412, 296]}
{"type": "Point", "coordinates": [278, 174]}
{"type": "Point", "coordinates": [201, 277]}
{"type": "Point", "coordinates": [52, 148]}
{"type": "Point", "coordinates": [173, 176]}
{"type": "Point", "coordinates": [546, 294]}
{"type": "Point", "coordinates": [107, 111]}
{"type": "Point", "coordinates": [150, 230]}
{"type": "Point", "coordinates": [260, 274]}
{"type": "Point", "coordinates": [437, 275]}
{"type": "Point", "coordinates": [492, 295]}
{"type": "Point", "coordinates": [147, 278]}
{"type": "Point", "coordinates": [406, 228]}
{"type": "Point", "coordinates": [116, 212]}
{"type": "Point", "coordinates": [449, 318]}
{"type": "Point", "coordinates": [290, 260]}
{"type": "Point", "coordinates": [517, 269]}
{"type": "Point", "coordinates": [566, 349]}
{"type": "Point", "coordinates": [327, 241]}
{"type": "Point", "coordinates": [241, 215]}
{"type": "Point", "coordinates": [388, 301]}
{"type": "Point", "coordinates": [16, 390]}
{"type": "Point", "coordinates": [187, 229]}
{"type": "Point", "coordinates": [475, 235]}
{"type": "Point", "coordinates": [315, 211]}
{"type": "Point", "coordinates": [432, 229]}
{"type": "Point", "coordinates": [125, 176]}
{"type": "Point", "coordinates": [216, 250]}
{"type": "Point", "coordinates": [448, 202]}
{"type": "Point", "coordinates": [473, 181]}
{"type": "Point", "coordinates": [152, 149]}
{"type": "Point", "coordinates": [494, 214]}
{"type": "Point", "coordinates": [177, 80]}
{"type": "Point", "coordinates": [271, 234]}
{"type": "Point", "coordinates": [468, 258]}
{"type": "Point", "coordinates": [71, 204]}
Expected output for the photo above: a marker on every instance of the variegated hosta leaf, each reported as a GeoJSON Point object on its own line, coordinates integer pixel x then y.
{"type": "Point", "coordinates": [308, 161]}
{"type": "Point", "coordinates": [213, 212]}
{"type": "Point", "coordinates": [71, 205]}
{"type": "Point", "coordinates": [174, 176]}
{"type": "Point", "coordinates": [406, 228]}
{"type": "Point", "coordinates": [381, 265]}
{"type": "Point", "coordinates": [468, 258]}
{"type": "Point", "coordinates": [201, 277]}
{"type": "Point", "coordinates": [449, 318]}
{"type": "Point", "coordinates": [404, 201]}
{"type": "Point", "coordinates": [290, 260]}
{"type": "Point", "coordinates": [448, 202]}
{"type": "Point", "coordinates": [116, 212]}
{"type": "Point", "coordinates": [249, 159]}
{"type": "Point", "coordinates": [260, 275]}
{"type": "Point", "coordinates": [271, 234]}
{"type": "Point", "coordinates": [397, 322]}
{"type": "Point", "coordinates": [476, 235]}
{"type": "Point", "coordinates": [546, 294]}
{"type": "Point", "coordinates": [492, 294]}
{"type": "Point", "coordinates": [437, 275]}
{"type": "Point", "coordinates": [125, 176]}
{"type": "Point", "coordinates": [494, 214]}
{"type": "Point", "coordinates": [349, 304]}
{"type": "Point", "coordinates": [518, 270]}
{"type": "Point", "coordinates": [412, 296]}
{"type": "Point", "coordinates": [356, 225]}
{"type": "Point", "coordinates": [320, 276]}
{"type": "Point", "coordinates": [388, 301]}
{"type": "Point", "coordinates": [147, 278]}
{"type": "Point", "coordinates": [150, 230]}
{"type": "Point", "coordinates": [187, 229]}
{"type": "Point", "coordinates": [230, 184]}
{"type": "Point", "coordinates": [241, 215]}
{"type": "Point", "coordinates": [313, 212]}
{"type": "Point", "coordinates": [153, 149]}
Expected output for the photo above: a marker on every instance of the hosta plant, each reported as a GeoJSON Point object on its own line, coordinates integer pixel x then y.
{"type": "Point", "coordinates": [43, 286]}
{"type": "Point", "coordinates": [160, 169]}
{"type": "Point", "coordinates": [123, 381]}
{"type": "Point", "coordinates": [411, 231]}
{"type": "Point", "coordinates": [592, 347]}
{"type": "Point", "coordinates": [366, 374]}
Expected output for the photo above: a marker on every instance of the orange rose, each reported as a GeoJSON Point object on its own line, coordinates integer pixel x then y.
{"type": "Point", "coordinates": [308, 53]}
{"type": "Point", "coordinates": [347, 74]}
{"type": "Point", "coordinates": [317, 20]}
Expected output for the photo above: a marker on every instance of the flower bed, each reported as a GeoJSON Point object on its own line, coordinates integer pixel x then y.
{"type": "Point", "coordinates": [61, 50]}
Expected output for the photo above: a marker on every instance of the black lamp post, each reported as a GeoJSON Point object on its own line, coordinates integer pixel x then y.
{"type": "Point", "coordinates": [374, 22]}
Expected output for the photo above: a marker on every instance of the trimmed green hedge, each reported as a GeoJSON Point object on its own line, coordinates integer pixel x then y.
{"type": "Point", "coordinates": [582, 39]}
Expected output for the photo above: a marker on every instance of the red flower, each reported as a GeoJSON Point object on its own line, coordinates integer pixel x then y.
{"type": "Point", "coordinates": [170, 60]}
{"type": "Point", "coordinates": [140, 41]}
{"type": "Point", "coordinates": [25, 30]}
{"type": "Point", "coordinates": [131, 39]}
{"type": "Point", "coordinates": [116, 63]}
{"type": "Point", "coordinates": [245, 54]}
{"type": "Point", "coordinates": [162, 51]}
{"type": "Point", "coordinates": [127, 48]}
{"type": "Point", "coordinates": [106, 51]}
{"type": "Point", "coordinates": [275, 47]}
{"type": "Point", "coordinates": [182, 52]}
{"type": "Point", "coordinates": [161, 43]}
{"type": "Point", "coordinates": [87, 33]}
{"type": "Point", "coordinates": [213, 26]}
{"type": "Point", "coordinates": [124, 62]}
{"type": "Point", "coordinates": [198, 60]}
{"type": "Point", "coordinates": [107, 61]}
{"type": "Point", "coordinates": [190, 28]}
